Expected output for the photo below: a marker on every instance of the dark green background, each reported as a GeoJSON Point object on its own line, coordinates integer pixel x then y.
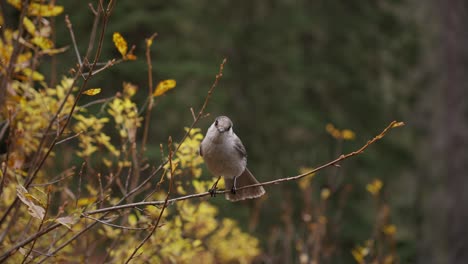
{"type": "Point", "coordinates": [293, 67]}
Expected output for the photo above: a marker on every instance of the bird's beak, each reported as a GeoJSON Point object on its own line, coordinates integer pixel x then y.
{"type": "Point", "coordinates": [221, 129]}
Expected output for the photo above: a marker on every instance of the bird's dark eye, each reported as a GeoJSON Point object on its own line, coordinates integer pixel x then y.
{"type": "Point", "coordinates": [216, 122]}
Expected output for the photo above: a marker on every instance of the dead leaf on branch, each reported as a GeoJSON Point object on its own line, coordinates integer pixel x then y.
{"type": "Point", "coordinates": [34, 210]}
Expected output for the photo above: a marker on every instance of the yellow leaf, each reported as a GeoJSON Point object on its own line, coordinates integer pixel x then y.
{"type": "Point", "coordinates": [325, 193]}
{"type": "Point", "coordinates": [348, 134]}
{"type": "Point", "coordinates": [43, 43]}
{"type": "Point", "coordinates": [120, 43]}
{"type": "Point", "coordinates": [164, 86]}
{"type": "Point", "coordinates": [29, 26]}
{"type": "Point", "coordinates": [389, 229]}
{"type": "Point", "coordinates": [36, 9]}
{"type": "Point", "coordinates": [132, 220]}
{"type": "Point", "coordinates": [374, 187]}
{"type": "Point", "coordinates": [129, 89]}
{"type": "Point", "coordinates": [92, 91]}
{"type": "Point", "coordinates": [44, 10]}
{"type": "Point", "coordinates": [86, 201]}
{"type": "Point", "coordinates": [36, 76]}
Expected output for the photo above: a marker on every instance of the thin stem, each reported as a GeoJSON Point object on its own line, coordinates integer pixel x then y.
{"type": "Point", "coordinates": [277, 181]}
{"type": "Point", "coordinates": [150, 90]}
{"type": "Point", "coordinates": [164, 206]}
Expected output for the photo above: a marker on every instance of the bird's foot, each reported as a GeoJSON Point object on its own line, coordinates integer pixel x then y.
{"type": "Point", "coordinates": [213, 188]}
{"type": "Point", "coordinates": [233, 190]}
{"type": "Point", "coordinates": [212, 191]}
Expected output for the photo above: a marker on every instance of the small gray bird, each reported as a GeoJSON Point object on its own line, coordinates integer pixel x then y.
{"type": "Point", "coordinates": [225, 156]}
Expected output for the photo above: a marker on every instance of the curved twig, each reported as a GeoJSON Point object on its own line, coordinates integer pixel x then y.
{"type": "Point", "coordinates": [277, 181]}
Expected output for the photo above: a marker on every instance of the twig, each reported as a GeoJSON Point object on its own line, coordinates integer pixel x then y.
{"type": "Point", "coordinates": [69, 138]}
{"type": "Point", "coordinates": [62, 176]}
{"type": "Point", "coordinates": [15, 53]}
{"type": "Point", "coordinates": [40, 226]}
{"type": "Point", "coordinates": [169, 143]}
{"type": "Point", "coordinates": [72, 35]}
{"type": "Point", "coordinates": [113, 225]}
{"type": "Point", "coordinates": [150, 90]}
{"type": "Point", "coordinates": [104, 100]}
{"type": "Point", "coordinates": [277, 181]}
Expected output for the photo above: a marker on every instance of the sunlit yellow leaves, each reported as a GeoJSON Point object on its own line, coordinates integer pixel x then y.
{"type": "Point", "coordinates": [132, 220]}
{"type": "Point", "coordinates": [36, 9]}
{"type": "Point", "coordinates": [228, 235]}
{"type": "Point", "coordinates": [42, 42]}
{"type": "Point", "coordinates": [345, 134]}
{"type": "Point", "coordinates": [92, 91]}
{"type": "Point", "coordinates": [129, 89]}
{"type": "Point", "coordinates": [32, 108]}
{"type": "Point", "coordinates": [188, 155]}
{"type": "Point", "coordinates": [164, 86]}
{"type": "Point", "coordinates": [199, 219]}
{"type": "Point", "coordinates": [374, 187]}
{"type": "Point", "coordinates": [90, 136]}
{"type": "Point", "coordinates": [359, 253]}
{"type": "Point", "coordinates": [29, 26]}
{"type": "Point", "coordinates": [86, 201]}
{"type": "Point", "coordinates": [121, 45]}
{"type": "Point", "coordinates": [125, 114]}
{"type": "Point", "coordinates": [34, 75]}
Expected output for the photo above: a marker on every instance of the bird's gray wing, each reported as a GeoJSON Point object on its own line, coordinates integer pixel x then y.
{"type": "Point", "coordinates": [240, 147]}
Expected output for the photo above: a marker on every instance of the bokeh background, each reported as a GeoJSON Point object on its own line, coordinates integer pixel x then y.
{"type": "Point", "coordinates": [292, 68]}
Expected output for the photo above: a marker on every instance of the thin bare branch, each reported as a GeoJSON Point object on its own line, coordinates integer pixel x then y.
{"type": "Point", "coordinates": [72, 35]}
{"type": "Point", "coordinates": [150, 90]}
{"type": "Point", "coordinates": [277, 181]}
{"type": "Point", "coordinates": [114, 225]}
{"type": "Point", "coordinates": [169, 144]}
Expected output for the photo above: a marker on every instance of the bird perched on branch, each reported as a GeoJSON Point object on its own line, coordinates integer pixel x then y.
{"type": "Point", "coordinates": [225, 155]}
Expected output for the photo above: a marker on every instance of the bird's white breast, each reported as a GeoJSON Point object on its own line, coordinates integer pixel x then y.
{"type": "Point", "coordinates": [221, 156]}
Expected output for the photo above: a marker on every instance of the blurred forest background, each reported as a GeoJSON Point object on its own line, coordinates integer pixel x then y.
{"type": "Point", "coordinates": [294, 67]}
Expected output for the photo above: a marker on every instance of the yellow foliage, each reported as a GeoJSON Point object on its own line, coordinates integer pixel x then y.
{"type": "Point", "coordinates": [345, 134]}
{"type": "Point", "coordinates": [374, 187]}
{"type": "Point", "coordinates": [29, 26]}
{"type": "Point", "coordinates": [125, 113]}
{"type": "Point", "coordinates": [92, 91]}
{"type": "Point", "coordinates": [188, 231]}
{"type": "Point", "coordinates": [33, 110]}
{"type": "Point", "coordinates": [36, 9]}
{"type": "Point", "coordinates": [389, 230]}
{"type": "Point", "coordinates": [120, 43]}
{"type": "Point", "coordinates": [359, 253]}
{"type": "Point", "coordinates": [163, 87]}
